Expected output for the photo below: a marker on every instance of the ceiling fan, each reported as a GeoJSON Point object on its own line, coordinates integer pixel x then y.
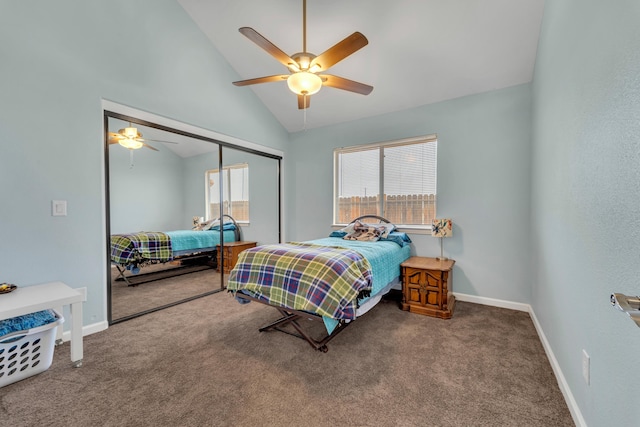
{"type": "Point", "coordinates": [304, 67]}
{"type": "Point", "coordinates": [130, 138]}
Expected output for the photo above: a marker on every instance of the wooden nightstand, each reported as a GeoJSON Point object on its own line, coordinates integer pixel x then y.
{"type": "Point", "coordinates": [231, 251]}
{"type": "Point", "coordinates": [426, 283]}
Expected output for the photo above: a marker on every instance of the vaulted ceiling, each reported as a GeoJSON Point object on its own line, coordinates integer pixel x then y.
{"type": "Point", "coordinates": [419, 52]}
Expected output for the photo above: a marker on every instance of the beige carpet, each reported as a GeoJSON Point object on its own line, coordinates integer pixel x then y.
{"type": "Point", "coordinates": [203, 363]}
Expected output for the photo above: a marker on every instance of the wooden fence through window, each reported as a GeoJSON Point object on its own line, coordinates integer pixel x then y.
{"type": "Point", "coordinates": [399, 209]}
{"type": "Point", "coordinates": [239, 209]}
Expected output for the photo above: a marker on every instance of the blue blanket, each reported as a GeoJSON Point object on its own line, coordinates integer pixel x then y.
{"type": "Point", "coordinates": [26, 322]}
{"type": "Point", "coordinates": [182, 240]}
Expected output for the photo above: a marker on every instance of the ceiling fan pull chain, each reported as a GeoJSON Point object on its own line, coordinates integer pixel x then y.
{"type": "Point", "coordinates": [304, 126]}
{"type": "Point", "coordinates": [130, 158]}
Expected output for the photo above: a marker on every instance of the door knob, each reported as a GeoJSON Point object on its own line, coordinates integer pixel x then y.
{"type": "Point", "coordinates": [627, 304]}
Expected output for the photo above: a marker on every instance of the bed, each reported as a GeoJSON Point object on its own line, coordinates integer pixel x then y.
{"type": "Point", "coordinates": [133, 251]}
{"type": "Point", "coordinates": [334, 280]}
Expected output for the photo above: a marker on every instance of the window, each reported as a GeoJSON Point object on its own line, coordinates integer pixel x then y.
{"type": "Point", "coordinates": [396, 180]}
{"type": "Point", "coordinates": [235, 191]}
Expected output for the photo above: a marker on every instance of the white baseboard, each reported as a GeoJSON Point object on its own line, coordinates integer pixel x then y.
{"type": "Point", "coordinates": [87, 330]}
{"type": "Point", "coordinates": [562, 382]}
{"type": "Point", "coordinates": [492, 302]}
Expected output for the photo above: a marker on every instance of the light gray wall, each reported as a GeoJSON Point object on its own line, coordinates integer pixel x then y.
{"type": "Point", "coordinates": [59, 59]}
{"type": "Point", "coordinates": [194, 192]}
{"type": "Point", "coordinates": [483, 184]}
{"type": "Point", "coordinates": [263, 191]}
{"type": "Point", "coordinates": [150, 196]}
{"type": "Point", "coordinates": [585, 204]}
{"type": "Point", "coordinates": [263, 195]}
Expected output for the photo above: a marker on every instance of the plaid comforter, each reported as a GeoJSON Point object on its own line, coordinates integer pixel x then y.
{"type": "Point", "coordinates": [139, 248]}
{"type": "Point", "coordinates": [319, 279]}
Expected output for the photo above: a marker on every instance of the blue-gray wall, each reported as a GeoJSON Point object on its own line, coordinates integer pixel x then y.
{"type": "Point", "coordinates": [540, 180]}
{"type": "Point", "coordinates": [194, 191]}
{"type": "Point", "coordinates": [483, 184]}
{"type": "Point", "coordinates": [263, 195]}
{"type": "Point", "coordinates": [150, 196]}
{"type": "Point", "coordinates": [585, 199]}
{"type": "Point", "coordinates": [59, 59]}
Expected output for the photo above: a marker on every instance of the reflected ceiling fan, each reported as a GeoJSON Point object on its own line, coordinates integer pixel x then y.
{"type": "Point", "coordinates": [130, 138]}
{"type": "Point", "coordinates": [304, 78]}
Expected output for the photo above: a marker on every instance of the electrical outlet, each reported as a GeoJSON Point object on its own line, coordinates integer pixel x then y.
{"type": "Point", "coordinates": [586, 366]}
{"type": "Point", "coordinates": [59, 207]}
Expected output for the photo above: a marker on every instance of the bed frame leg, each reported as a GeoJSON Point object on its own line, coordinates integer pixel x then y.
{"type": "Point", "coordinates": [291, 317]}
{"type": "Point", "coordinates": [317, 345]}
{"type": "Point", "coordinates": [287, 317]}
{"type": "Point", "coordinates": [121, 275]}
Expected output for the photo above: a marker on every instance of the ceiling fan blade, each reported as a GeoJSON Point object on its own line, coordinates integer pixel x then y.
{"type": "Point", "coordinates": [266, 79]}
{"type": "Point", "coordinates": [148, 146]}
{"type": "Point", "coordinates": [302, 100]}
{"type": "Point", "coordinates": [114, 138]}
{"type": "Point", "coordinates": [339, 51]}
{"type": "Point", "coordinates": [345, 84]}
{"type": "Point", "coordinates": [265, 44]}
{"type": "Point", "coordinates": [157, 140]}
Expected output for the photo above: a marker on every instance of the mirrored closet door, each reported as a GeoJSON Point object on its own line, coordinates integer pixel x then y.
{"type": "Point", "coordinates": [166, 242]}
{"type": "Point", "coordinates": [250, 195]}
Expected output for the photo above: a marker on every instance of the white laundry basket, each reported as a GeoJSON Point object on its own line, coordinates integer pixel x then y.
{"type": "Point", "coordinates": [26, 353]}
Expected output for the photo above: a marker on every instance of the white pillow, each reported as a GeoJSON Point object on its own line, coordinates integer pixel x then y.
{"type": "Point", "coordinates": [350, 228]}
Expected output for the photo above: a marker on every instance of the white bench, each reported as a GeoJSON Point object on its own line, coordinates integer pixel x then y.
{"type": "Point", "coordinates": [29, 299]}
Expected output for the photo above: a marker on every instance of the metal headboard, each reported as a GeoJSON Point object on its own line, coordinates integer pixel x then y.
{"type": "Point", "coordinates": [379, 218]}
{"type": "Point", "coordinates": [236, 231]}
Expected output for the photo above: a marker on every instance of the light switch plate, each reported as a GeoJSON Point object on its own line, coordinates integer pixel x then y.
{"type": "Point", "coordinates": [59, 207]}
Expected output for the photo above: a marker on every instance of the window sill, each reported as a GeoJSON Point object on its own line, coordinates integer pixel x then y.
{"type": "Point", "coordinates": [415, 230]}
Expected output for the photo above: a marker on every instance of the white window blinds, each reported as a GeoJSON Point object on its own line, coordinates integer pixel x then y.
{"type": "Point", "coordinates": [235, 190]}
{"type": "Point", "coordinates": [396, 180]}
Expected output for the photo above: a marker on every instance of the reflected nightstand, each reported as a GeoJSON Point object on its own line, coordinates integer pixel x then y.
{"type": "Point", "coordinates": [231, 252]}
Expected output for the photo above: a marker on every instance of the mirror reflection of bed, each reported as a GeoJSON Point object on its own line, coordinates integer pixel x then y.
{"type": "Point", "coordinates": [160, 189]}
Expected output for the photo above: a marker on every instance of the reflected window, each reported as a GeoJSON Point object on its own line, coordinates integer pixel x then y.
{"type": "Point", "coordinates": [235, 192]}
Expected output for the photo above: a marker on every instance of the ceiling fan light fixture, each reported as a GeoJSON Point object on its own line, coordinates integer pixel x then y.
{"type": "Point", "coordinates": [304, 66]}
{"type": "Point", "coordinates": [130, 133]}
{"type": "Point", "coordinates": [304, 83]}
{"type": "Point", "coordinates": [130, 143]}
